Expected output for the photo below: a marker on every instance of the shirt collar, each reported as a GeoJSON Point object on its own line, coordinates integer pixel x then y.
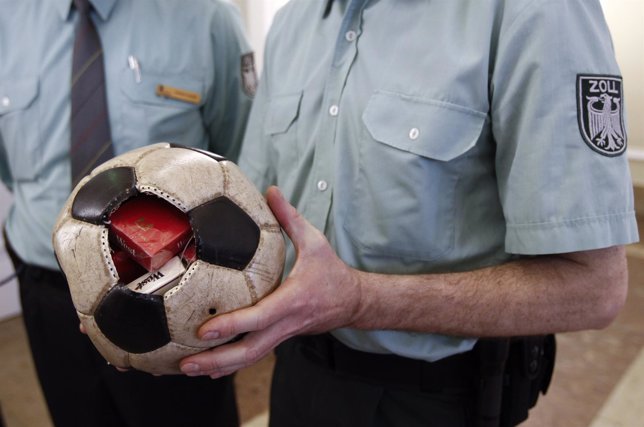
{"type": "Point", "coordinates": [103, 8]}
{"type": "Point", "coordinates": [329, 6]}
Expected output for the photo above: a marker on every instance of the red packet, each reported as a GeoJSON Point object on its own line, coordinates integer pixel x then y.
{"type": "Point", "coordinates": [189, 255]}
{"type": "Point", "coordinates": [127, 268]}
{"type": "Point", "coordinates": [150, 230]}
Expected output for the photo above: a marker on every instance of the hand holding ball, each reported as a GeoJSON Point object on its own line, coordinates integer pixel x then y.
{"type": "Point", "coordinates": [150, 323]}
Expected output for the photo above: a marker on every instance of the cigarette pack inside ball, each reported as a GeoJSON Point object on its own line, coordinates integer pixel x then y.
{"type": "Point", "coordinates": [150, 230]}
{"type": "Point", "coordinates": [126, 267]}
{"type": "Point", "coordinates": [189, 255]}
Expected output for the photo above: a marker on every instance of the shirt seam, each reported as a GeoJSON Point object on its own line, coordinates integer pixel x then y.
{"type": "Point", "coordinates": [573, 221]}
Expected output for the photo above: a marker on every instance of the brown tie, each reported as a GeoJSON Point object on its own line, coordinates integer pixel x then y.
{"type": "Point", "coordinates": [91, 142]}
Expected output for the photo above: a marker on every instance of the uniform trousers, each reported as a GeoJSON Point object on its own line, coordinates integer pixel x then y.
{"type": "Point", "coordinates": [81, 389]}
{"type": "Point", "coordinates": [319, 382]}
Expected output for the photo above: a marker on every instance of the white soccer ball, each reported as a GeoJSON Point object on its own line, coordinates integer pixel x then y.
{"type": "Point", "coordinates": [240, 254]}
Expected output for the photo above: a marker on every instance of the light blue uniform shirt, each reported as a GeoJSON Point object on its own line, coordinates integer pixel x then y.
{"type": "Point", "coordinates": [440, 136]}
{"type": "Point", "coordinates": [192, 45]}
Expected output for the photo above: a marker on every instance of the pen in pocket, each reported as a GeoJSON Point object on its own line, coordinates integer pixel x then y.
{"type": "Point", "coordinates": [133, 63]}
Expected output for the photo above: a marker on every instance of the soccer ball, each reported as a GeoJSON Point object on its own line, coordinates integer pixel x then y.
{"type": "Point", "coordinates": [239, 254]}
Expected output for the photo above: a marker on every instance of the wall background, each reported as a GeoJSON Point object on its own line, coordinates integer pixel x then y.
{"type": "Point", "coordinates": [626, 21]}
{"type": "Point", "coordinates": [625, 18]}
{"type": "Point", "coordinates": [258, 15]}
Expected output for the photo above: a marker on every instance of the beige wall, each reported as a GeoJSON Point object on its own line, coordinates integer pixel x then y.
{"type": "Point", "coordinates": [626, 21]}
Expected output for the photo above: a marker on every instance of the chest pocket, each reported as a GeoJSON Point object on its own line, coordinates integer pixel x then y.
{"type": "Point", "coordinates": [19, 126]}
{"type": "Point", "coordinates": [147, 117]}
{"type": "Point", "coordinates": [281, 127]}
{"type": "Point", "coordinates": [405, 194]}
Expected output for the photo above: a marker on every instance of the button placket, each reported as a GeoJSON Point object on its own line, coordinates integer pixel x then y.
{"type": "Point", "coordinates": [319, 205]}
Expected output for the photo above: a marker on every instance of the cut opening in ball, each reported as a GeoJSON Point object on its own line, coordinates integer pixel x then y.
{"type": "Point", "coordinates": [150, 230]}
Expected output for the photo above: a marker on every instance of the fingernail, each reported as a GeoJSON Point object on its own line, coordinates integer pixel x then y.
{"type": "Point", "coordinates": [210, 335]}
{"type": "Point", "coordinates": [190, 368]}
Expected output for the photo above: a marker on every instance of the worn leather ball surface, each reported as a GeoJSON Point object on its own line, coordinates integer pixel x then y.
{"type": "Point", "coordinates": [240, 254]}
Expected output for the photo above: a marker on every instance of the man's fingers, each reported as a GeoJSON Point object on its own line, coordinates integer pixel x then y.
{"type": "Point", "coordinates": [229, 358]}
{"type": "Point", "coordinates": [260, 316]}
{"type": "Point", "coordinates": [230, 324]}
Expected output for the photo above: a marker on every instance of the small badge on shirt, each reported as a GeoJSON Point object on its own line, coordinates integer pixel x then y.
{"type": "Point", "coordinates": [600, 113]}
{"type": "Point", "coordinates": [178, 94]}
{"type": "Point", "coordinates": [248, 74]}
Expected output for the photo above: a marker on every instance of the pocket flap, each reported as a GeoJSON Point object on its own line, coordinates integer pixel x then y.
{"type": "Point", "coordinates": [282, 111]}
{"type": "Point", "coordinates": [428, 128]}
{"type": "Point", "coordinates": [17, 94]}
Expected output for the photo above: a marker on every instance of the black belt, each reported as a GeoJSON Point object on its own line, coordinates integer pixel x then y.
{"type": "Point", "coordinates": [457, 373]}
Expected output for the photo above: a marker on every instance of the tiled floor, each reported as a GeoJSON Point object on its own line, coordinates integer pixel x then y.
{"type": "Point", "coordinates": [599, 377]}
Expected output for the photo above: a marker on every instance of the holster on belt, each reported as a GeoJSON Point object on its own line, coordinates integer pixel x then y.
{"type": "Point", "coordinates": [513, 372]}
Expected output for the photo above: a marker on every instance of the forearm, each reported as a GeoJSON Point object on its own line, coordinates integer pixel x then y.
{"type": "Point", "coordinates": [530, 296]}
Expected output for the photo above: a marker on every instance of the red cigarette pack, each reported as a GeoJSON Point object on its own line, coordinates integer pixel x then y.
{"type": "Point", "coordinates": [126, 267]}
{"type": "Point", "coordinates": [150, 230]}
{"type": "Point", "coordinates": [190, 254]}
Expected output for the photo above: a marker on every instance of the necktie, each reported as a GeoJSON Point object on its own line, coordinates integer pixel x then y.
{"type": "Point", "coordinates": [91, 142]}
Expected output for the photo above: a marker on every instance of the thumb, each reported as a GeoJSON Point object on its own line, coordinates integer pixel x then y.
{"type": "Point", "coordinates": [289, 218]}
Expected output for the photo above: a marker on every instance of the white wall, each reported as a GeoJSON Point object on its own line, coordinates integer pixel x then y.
{"type": "Point", "coordinates": [258, 15]}
{"type": "Point", "coordinates": [626, 21]}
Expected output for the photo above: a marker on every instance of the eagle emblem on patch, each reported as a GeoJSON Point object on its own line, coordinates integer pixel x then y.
{"type": "Point", "coordinates": [600, 109]}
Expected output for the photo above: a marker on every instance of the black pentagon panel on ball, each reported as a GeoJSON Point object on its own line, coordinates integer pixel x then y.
{"type": "Point", "coordinates": [104, 193]}
{"type": "Point", "coordinates": [213, 156]}
{"type": "Point", "coordinates": [225, 234]}
{"type": "Point", "coordinates": [133, 321]}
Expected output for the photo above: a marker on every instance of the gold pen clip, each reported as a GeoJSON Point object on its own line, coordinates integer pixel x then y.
{"type": "Point", "coordinates": [178, 94]}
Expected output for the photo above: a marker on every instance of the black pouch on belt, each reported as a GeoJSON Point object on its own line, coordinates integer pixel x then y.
{"type": "Point", "coordinates": [528, 373]}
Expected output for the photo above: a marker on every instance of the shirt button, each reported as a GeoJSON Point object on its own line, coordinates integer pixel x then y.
{"type": "Point", "coordinates": [333, 110]}
{"type": "Point", "coordinates": [414, 133]}
{"type": "Point", "coordinates": [5, 101]}
{"type": "Point", "coordinates": [350, 35]}
{"type": "Point", "coordinates": [322, 185]}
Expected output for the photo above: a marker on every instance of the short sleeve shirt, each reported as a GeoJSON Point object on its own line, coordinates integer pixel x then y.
{"type": "Point", "coordinates": [444, 136]}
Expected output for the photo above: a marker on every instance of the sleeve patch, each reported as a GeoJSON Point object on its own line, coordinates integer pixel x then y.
{"type": "Point", "coordinates": [600, 113]}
